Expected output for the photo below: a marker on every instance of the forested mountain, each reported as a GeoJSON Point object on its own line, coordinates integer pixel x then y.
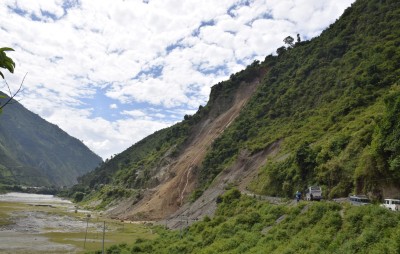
{"type": "Point", "coordinates": [324, 111]}
{"type": "Point", "coordinates": [35, 152]}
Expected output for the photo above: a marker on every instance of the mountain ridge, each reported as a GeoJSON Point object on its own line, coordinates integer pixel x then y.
{"type": "Point", "coordinates": [34, 152]}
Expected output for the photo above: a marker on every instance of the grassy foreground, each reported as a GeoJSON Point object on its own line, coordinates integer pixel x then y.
{"type": "Point", "coordinates": [246, 225]}
{"type": "Point", "coordinates": [242, 224]}
{"type": "Point", "coordinates": [117, 232]}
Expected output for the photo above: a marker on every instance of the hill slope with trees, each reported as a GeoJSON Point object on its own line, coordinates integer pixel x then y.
{"type": "Point", "coordinates": [330, 107]}
{"type": "Point", "coordinates": [34, 152]}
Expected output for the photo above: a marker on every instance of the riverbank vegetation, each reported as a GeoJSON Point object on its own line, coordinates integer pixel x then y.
{"type": "Point", "coordinates": [244, 224]}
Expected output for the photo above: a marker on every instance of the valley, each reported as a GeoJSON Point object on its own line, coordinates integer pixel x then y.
{"type": "Point", "coordinates": [34, 223]}
{"type": "Point", "coordinates": [319, 115]}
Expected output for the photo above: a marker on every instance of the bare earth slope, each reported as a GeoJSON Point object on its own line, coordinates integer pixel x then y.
{"type": "Point", "coordinates": [172, 193]}
{"type": "Point", "coordinates": [239, 174]}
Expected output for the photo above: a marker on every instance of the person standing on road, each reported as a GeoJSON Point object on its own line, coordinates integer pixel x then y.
{"type": "Point", "coordinates": [298, 196]}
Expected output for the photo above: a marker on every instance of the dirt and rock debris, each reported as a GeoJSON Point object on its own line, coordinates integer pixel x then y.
{"type": "Point", "coordinates": [169, 198]}
{"type": "Point", "coordinates": [168, 201]}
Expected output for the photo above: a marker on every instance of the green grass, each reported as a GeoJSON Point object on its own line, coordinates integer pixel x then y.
{"type": "Point", "coordinates": [5, 209]}
{"type": "Point", "coordinates": [244, 224]}
{"type": "Point", "coordinates": [120, 233]}
{"type": "Point", "coordinates": [117, 232]}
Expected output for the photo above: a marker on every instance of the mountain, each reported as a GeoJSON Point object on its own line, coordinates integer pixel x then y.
{"type": "Point", "coordinates": [35, 152]}
{"type": "Point", "coordinates": [324, 112]}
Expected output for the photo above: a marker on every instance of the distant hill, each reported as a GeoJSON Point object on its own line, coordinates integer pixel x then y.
{"type": "Point", "coordinates": [35, 152]}
{"type": "Point", "coordinates": [323, 112]}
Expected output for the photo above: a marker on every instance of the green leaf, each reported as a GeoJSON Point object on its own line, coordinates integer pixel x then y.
{"type": "Point", "coordinates": [6, 49]}
{"type": "Point", "coordinates": [5, 61]}
{"type": "Point", "coordinates": [10, 66]}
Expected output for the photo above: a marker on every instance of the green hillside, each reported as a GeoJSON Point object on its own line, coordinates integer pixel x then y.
{"type": "Point", "coordinates": [244, 224]}
{"type": "Point", "coordinates": [333, 102]}
{"type": "Point", "coordinates": [136, 167]}
{"type": "Point", "coordinates": [34, 152]}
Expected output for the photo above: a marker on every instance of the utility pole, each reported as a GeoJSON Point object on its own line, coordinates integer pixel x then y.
{"type": "Point", "coordinates": [87, 225]}
{"type": "Point", "coordinates": [104, 233]}
{"type": "Point", "coordinates": [187, 225]}
{"type": "Point", "coordinates": [181, 225]}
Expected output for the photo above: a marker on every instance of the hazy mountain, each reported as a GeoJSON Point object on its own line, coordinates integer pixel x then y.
{"type": "Point", "coordinates": [35, 152]}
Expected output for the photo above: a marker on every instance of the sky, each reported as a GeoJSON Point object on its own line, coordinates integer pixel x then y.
{"type": "Point", "coordinates": [111, 72]}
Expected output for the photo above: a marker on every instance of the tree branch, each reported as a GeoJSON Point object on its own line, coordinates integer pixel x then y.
{"type": "Point", "coordinates": [12, 95]}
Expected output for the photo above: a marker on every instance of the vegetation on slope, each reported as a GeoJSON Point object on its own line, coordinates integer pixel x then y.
{"type": "Point", "coordinates": [331, 101]}
{"type": "Point", "coordinates": [34, 152]}
{"type": "Point", "coordinates": [244, 224]}
{"type": "Point", "coordinates": [334, 102]}
{"type": "Point", "coordinates": [137, 167]}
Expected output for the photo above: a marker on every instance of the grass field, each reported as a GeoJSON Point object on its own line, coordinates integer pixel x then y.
{"type": "Point", "coordinates": [56, 226]}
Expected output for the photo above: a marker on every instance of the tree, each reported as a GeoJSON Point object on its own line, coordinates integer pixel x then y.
{"type": "Point", "coordinates": [289, 41]}
{"type": "Point", "coordinates": [389, 134]}
{"type": "Point", "coordinates": [281, 50]}
{"type": "Point", "coordinates": [7, 63]}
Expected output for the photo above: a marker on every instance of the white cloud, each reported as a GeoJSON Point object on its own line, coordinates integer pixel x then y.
{"type": "Point", "coordinates": [69, 54]}
{"type": "Point", "coordinates": [134, 113]}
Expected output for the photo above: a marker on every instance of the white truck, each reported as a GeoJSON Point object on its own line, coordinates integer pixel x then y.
{"type": "Point", "coordinates": [314, 193]}
{"type": "Point", "coordinates": [391, 204]}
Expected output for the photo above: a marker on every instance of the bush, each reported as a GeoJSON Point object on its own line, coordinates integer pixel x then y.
{"type": "Point", "coordinates": [78, 197]}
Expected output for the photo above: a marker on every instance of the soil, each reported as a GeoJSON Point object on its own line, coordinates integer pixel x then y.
{"type": "Point", "coordinates": [239, 175]}
{"type": "Point", "coordinates": [168, 201]}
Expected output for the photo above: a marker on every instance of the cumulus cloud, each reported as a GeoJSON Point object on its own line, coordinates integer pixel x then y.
{"type": "Point", "coordinates": [141, 54]}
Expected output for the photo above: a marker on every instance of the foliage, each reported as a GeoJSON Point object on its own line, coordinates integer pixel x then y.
{"type": "Point", "coordinates": [325, 99]}
{"type": "Point", "coordinates": [389, 134]}
{"type": "Point", "coordinates": [34, 152]}
{"type": "Point", "coordinates": [79, 196]}
{"type": "Point", "coordinates": [330, 103]}
{"type": "Point", "coordinates": [289, 41]}
{"type": "Point", "coordinates": [136, 167]}
{"type": "Point", "coordinates": [5, 61]}
{"type": "Point", "coordinates": [248, 225]}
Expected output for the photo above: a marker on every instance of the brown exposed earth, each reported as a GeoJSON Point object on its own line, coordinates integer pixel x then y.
{"type": "Point", "coordinates": [239, 174]}
{"type": "Point", "coordinates": [179, 178]}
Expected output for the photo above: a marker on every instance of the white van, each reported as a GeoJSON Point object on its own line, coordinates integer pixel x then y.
{"type": "Point", "coordinates": [391, 204]}
{"type": "Point", "coordinates": [359, 200]}
{"type": "Point", "coordinates": [314, 193]}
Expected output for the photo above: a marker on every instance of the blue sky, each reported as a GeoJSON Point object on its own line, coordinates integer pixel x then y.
{"type": "Point", "coordinates": [111, 72]}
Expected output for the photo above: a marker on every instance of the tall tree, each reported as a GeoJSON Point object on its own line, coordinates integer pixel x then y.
{"type": "Point", "coordinates": [289, 41]}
